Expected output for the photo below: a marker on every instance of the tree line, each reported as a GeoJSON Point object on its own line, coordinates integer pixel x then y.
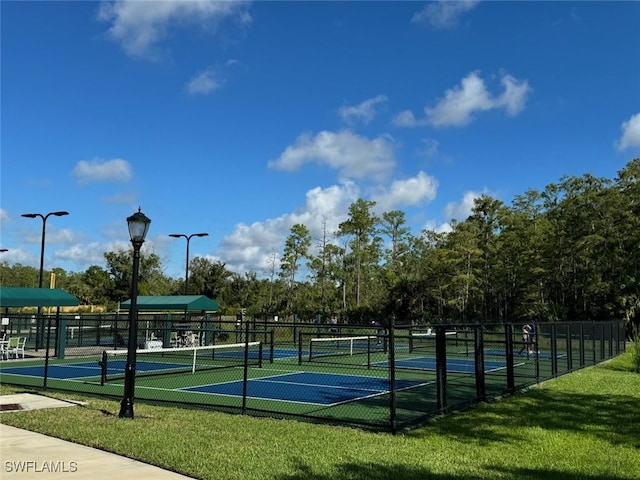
{"type": "Point", "coordinates": [568, 252]}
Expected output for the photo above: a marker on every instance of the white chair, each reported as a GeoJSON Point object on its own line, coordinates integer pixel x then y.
{"type": "Point", "coordinates": [16, 347]}
{"type": "Point", "coordinates": [4, 348]}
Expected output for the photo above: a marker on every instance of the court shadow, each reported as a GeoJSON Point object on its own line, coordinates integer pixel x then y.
{"type": "Point", "coordinates": [368, 471]}
{"type": "Point", "coordinates": [374, 471]}
{"type": "Point", "coordinates": [613, 418]}
{"type": "Point", "coordinates": [549, 474]}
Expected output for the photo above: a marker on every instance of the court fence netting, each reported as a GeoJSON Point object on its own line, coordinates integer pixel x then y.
{"type": "Point", "coordinates": [383, 377]}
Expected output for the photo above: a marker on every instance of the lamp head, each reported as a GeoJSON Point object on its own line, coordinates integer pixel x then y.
{"type": "Point", "coordinates": [138, 227]}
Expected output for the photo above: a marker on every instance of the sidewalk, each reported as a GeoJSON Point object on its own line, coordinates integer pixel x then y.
{"type": "Point", "coordinates": [29, 455]}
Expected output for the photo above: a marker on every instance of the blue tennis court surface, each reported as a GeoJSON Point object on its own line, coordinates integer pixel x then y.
{"type": "Point", "coordinates": [69, 371]}
{"type": "Point", "coordinates": [453, 365]}
{"type": "Point", "coordinates": [501, 353]}
{"type": "Point", "coordinates": [325, 389]}
{"type": "Point", "coordinates": [64, 371]}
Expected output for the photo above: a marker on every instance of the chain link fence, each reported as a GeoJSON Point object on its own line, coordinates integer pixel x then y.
{"type": "Point", "coordinates": [385, 376]}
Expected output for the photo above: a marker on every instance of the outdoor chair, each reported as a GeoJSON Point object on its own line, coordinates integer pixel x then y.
{"type": "Point", "coordinates": [15, 347]}
{"type": "Point", "coordinates": [4, 348]}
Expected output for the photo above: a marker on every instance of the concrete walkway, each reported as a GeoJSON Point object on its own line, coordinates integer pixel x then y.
{"type": "Point", "coordinates": [29, 455]}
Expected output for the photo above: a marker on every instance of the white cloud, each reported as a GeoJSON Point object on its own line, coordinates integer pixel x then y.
{"type": "Point", "coordinates": [249, 247]}
{"type": "Point", "coordinates": [407, 119]}
{"type": "Point", "coordinates": [83, 254]}
{"type": "Point", "coordinates": [138, 25]}
{"type": "Point", "coordinates": [354, 156]}
{"type": "Point", "coordinates": [630, 133]}
{"type": "Point", "coordinates": [205, 82]}
{"type": "Point", "coordinates": [461, 102]}
{"type": "Point", "coordinates": [99, 170]}
{"type": "Point", "coordinates": [412, 191]}
{"type": "Point", "coordinates": [471, 96]}
{"type": "Point", "coordinates": [364, 112]}
{"type": "Point", "coordinates": [515, 95]}
{"type": "Point", "coordinates": [441, 228]}
{"type": "Point", "coordinates": [463, 209]}
{"type": "Point", "coordinates": [21, 256]}
{"type": "Point", "coordinates": [443, 14]}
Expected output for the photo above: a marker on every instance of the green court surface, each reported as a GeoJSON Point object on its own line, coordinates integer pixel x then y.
{"type": "Point", "coordinates": [338, 385]}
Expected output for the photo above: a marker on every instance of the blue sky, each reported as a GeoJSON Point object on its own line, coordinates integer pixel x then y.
{"type": "Point", "coordinates": [240, 119]}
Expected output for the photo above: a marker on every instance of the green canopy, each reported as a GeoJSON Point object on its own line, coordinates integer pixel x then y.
{"type": "Point", "coordinates": [174, 302]}
{"type": "Point", "coordinates": [36, 297]}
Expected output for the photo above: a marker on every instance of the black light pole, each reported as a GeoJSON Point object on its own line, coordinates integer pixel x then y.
{"type": "Point", "coordinates": [40, 324]}
{"type": "Point", "coordinates": [188, 237]}
{"type": "Point", "coordinates": [138, 227]}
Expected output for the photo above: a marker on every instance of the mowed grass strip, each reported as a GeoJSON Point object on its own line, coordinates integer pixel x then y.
{"type": "Point", "coordinates": [585, 425]}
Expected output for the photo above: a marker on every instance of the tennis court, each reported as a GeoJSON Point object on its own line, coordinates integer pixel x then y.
{"type": "Point", "coordinates": [453, 365]}
{"type": "Point", "coordinates": [66, 371]}
{"type": "Point", "coordinates": [313, 388]}
{"type": "Point", "coordinates": [541, 354]}
{"type": "Point", "coordinates": [338, 377]}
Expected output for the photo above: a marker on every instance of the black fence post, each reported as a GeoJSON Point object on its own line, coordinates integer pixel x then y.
{"type": "Point", "coordinates": [245, 374]}
{"type": "Point", "coordinates": [441, 367]}
{"type": "Point", "coordinates": [554, 350]}
{"type": "Point", "coordinates": [46, 354]}
{"type": "Point", "coordinates": [582, 353]}
{"type": "Point", "coordinates": [569, 348]}
{"type": "Point", "coordinates": [392, 376]}
{"type": "Point", "coordinates": [478, 354]}
{"type": "Point", "coordinates": [508, 337]}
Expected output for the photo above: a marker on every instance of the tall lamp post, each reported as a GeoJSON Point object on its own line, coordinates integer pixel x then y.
{"type": "Point", "coordinates": [138, 227]}
{"type": "Point", "coordinates": [40, 324]}
{"type": "Point", "coordinates": [188, 237]}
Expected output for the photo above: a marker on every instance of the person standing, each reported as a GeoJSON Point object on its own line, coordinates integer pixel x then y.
{"type": "Point", "coordinates": [526, 328]}
{"type": "Point", "coordinates": [532, 339]}
{"type": "Point", "coordinates": [334, 325]}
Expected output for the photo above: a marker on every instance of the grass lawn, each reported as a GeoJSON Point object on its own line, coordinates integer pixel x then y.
{"type": "Point", "coordinates": [585, 425]}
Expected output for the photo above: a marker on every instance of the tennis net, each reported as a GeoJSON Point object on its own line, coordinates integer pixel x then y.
{"type": "Point", "coordinates": [425, 340]}
{"type": "Point", "coordinates": [340, 346]}
{"type": "Point", "coordinates": [163, 361]}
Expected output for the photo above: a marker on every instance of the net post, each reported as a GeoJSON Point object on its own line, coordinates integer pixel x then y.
{"type": "Point", "coordinates": [260, 355]}
{"type": "Point", "coordinates": [300, 347]}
